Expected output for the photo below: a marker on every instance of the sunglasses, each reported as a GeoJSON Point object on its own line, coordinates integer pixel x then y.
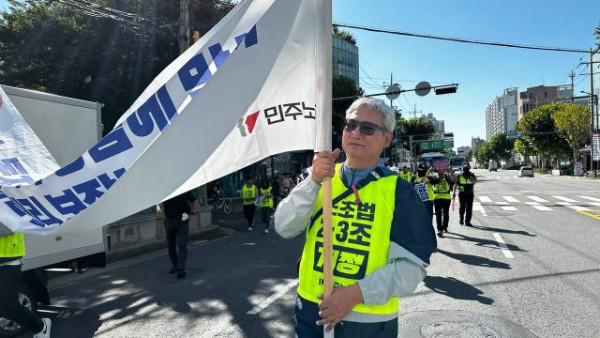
{"type": "Point", "coordinates": [366, 128]}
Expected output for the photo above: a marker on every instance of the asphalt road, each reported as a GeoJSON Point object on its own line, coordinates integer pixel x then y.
{"type": "Point", "coordinates": [528, 268]}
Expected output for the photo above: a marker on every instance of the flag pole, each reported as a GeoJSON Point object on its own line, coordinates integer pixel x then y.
{"type": "Point", "coordinates": [324, 56]}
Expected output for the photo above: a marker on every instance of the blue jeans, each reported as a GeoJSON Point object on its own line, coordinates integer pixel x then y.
{"type": "Point", "coordinates": [307, 314]}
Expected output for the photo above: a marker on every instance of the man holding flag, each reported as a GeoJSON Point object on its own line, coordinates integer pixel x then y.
{"type": "Point", "coordinates": [382, 238]}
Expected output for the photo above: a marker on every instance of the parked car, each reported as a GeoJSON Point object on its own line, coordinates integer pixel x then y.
{"type": "Point", "coordinates": [525, 171]}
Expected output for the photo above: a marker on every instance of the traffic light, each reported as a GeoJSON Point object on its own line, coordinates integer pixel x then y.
{"type": "Point", "coordinates": [451, 89]}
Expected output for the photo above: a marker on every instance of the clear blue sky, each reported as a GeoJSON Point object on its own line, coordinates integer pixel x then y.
{"type": "Point", "coordinates": [483, 72]}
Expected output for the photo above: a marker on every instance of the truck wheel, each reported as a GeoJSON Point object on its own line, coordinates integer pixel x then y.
{"type": "Point", "coordinates": [9, 328]}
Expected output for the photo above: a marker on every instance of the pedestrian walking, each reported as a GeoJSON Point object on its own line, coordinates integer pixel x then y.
{"type": "Point", "coordinates": [12, 248]}
{"type": "Point", "coordinates": [466, 182]}
{"type": "Point", "coordinates": [266, 193]}
{"type": "Point", "coordinates": [177, 211]}
{"type": "Point", "coordinates": [442, 185]}
{"type": "Point", "coordinates": [249, 195]}
{"type": "Point", "coordinates": [382, 239]}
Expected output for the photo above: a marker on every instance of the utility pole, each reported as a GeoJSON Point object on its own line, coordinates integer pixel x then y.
{"type": "Point", "coordinates": [184, 25]}
{"type": "Point", "coordinates": [572, 76]}
{"type": "Point", "coordinates": [592, 110]}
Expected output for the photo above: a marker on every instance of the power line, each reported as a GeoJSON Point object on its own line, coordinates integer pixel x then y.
{"type": "Point", "coordinates": [478, 42]}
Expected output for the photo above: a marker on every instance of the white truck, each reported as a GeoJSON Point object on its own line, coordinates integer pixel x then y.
{"type": "Point", "coordinates": [67, 127]}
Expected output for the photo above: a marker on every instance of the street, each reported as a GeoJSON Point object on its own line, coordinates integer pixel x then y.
{"type": "Point", "coordinates": [529, 267]}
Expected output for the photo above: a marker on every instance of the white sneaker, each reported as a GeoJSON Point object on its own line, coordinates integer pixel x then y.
{"type": "Point", "coordinates": [45, 333]}
{"type": "Point", "coordinates": [250, 229]}
{"type": "Point", "coordinates": [266, 231]}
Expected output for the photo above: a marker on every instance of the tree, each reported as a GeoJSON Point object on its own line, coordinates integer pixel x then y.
{"type": "Point", "coordinates": [524, 148]}
{"type": "Point", "coordinates": [420, 128]}
{"type": "Point", "coordinates": [501, 147]}
{"type": "Point", "coordinates": [344, 35]}
{"type": "Point", "coordinates": [57, 48]}
{"type": "Point", "coordinates": [573, 124]}
{"type": "Point", "coordinates": [538, 130]}
{"type": "Point", "coordinates": [483, 153]}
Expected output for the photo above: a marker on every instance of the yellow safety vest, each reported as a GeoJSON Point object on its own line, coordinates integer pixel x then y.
{"type": "Point", "coordinates": [442, 189]}
{"type": "Point", "coordinates": [267, 202]}
{"type": "Point", "coordinates": [361, 240]}
{"type": "Point", "coordinates": [405, 176]}
{"type": "Point", "coordinates": [462, 180]}
{"type": "Point", "coordinates": [12, 245]}
{"type": "Point", "coordinates": [248, 194]}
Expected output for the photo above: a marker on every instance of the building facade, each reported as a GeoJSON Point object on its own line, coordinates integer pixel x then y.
{"type": "Point", "coordinates": [502, 114]}
{"type": "Point", "coordinates": [535, 97]}
{"type": "Point", "coordinates": [439, 125]}
{"type": "Point", "coordinates": [345, 59]}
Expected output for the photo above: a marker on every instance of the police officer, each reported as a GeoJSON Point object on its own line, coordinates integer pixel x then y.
{"type": "Point", "coordinates": [466, 181]}
{"type": "Point", "coordinates": [12, 248]}
{"type": "Point", "coordinates": [442, 185]}
{"type": "Point", "coordinates": [382, 234]}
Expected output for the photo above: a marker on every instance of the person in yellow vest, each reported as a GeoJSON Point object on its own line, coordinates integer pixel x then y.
{"type": "Point", "coordinates": [12, 248]}
{"type": "Point", "coordinates": [466, 182]}
{"type": "Point", "coordinates": [249, 195]}
{"type": "Point", "coordinates": [266, 208]}
{"type": "Point", "coordinates": [442, 186]}
{"type": "Point", "coordinates": [425, 189]}
{"type": "Point", "coordinates": [382, 236]}
{"type": "Point", "coordinates": [406, 174]}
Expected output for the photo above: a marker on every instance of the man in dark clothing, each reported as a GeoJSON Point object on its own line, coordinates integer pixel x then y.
{"type": "Point", "coordinates": [177, 211]}
{"type": "Point", "coordinates": [466, 181]}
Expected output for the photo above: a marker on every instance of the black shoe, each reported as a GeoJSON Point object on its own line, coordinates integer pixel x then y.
{"type": "Point", "coordinates": [440, 234]}
{"type": "Point", "coordinates": [469, 224]}
{"type": "Point", "coordinates": [446, 230]}
{"type": "Point", "coordinates": [180, 274]}
{"type": "Point", "coordinates": [461, 222]}
{"type": "Point", "coordinates": [173, 269]}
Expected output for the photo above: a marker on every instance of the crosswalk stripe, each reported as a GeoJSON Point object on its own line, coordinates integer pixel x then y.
{"type": "Point", "coordinates": [478, 206]}
{"type": "Point", "coordinates": [565, 199]}
{"type": "Point", "coordinates": [594, 204]}
{"type": "Point", "coordinates": [537, 199]}
{"type": "Point", "coordinates": [485, 199]}
{"type": "Point", "coordinates": [563, 203]}
{"type": "Point", "coordinates": [502, 203]}
{"type": "Point", "coordinates": [577, 207]}
{"type": "Point", "coordinates": [509, 208]}
{"type": "Point", "coordinates": [591, 198]}
{"type": "Point", "coordinates": [541, 207]}
{"type": "Point", "coordinates": [503, 245]}
{"type": "Point", "coordinates": [510, 199]}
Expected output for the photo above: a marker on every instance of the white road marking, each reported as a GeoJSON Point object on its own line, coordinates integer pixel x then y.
{"type": "Point", "coordinates": [538, 206]}
{"type": "Point", "coordinates": [262, 305]}
{"type": "Point", "coordinates": [594, 204]}
{"type": "Point", "coordinates": [577, 207]}
{"type": "Point", "coordinates": [478, 206]}
{"type": "Point", "coordinates": [485, 199]}
{"type": "Point", "coordinates": [502, 203]}
{"type": "Point", "coordinates": [563, 203]}
{"type": "Point", "coordinates": [502, 245]}
{"type": "Point", "coordinates": [537, 199]}
{"type": "Point", "coordinates": [509, 208]}
{"type": "Point", "coordinates": [591, 198]}
{"type": "Point", "coordinates": [565, 199]}
{"type": "Point", "coordinates": [510, 199]}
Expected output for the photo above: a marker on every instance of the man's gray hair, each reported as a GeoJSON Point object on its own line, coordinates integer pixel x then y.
{"type": "Point", "coordinates": [387, 114]}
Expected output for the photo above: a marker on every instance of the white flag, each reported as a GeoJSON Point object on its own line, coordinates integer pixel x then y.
{"type": "Point", "coordinates": [247, 90]}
